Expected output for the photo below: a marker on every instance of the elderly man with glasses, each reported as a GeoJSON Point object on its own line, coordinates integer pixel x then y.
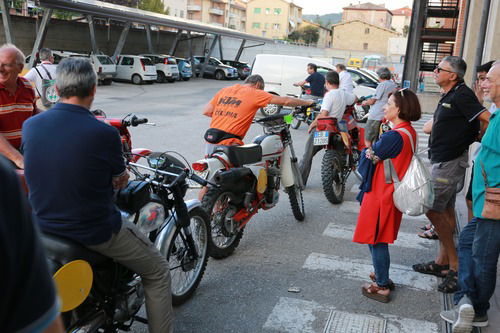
{"type": "Point", "coordinates": [455, 125]}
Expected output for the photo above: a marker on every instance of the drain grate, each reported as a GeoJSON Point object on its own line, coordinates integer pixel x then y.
{"type": "Point", "coordinates": [343, 322]}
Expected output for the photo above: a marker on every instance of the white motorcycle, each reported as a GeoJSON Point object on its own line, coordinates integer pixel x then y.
{"type": "Point", "coordinates": [249, 178]}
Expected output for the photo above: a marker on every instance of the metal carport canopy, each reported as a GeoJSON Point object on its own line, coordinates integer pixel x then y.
{"type": "Point", "coordinates": [122, 13]}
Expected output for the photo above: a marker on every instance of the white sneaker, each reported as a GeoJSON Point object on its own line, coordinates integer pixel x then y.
{"type": "Point", "coordinates": [466, 314]}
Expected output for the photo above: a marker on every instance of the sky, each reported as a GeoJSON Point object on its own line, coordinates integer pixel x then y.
{"type": "Point", "coordinates": [321, 7]}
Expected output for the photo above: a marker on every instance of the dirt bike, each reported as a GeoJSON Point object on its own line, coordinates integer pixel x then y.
{"type": "Point", "coordinates": [249, 179]}
{"type": "Point", "coordinates": [360, 112]}
{"type": "Point", "coordinates": [310, 113]}
{"type": "Point", "coordinates": [98, 294]}
{"type": "Point", "coordinates": [343, 142]}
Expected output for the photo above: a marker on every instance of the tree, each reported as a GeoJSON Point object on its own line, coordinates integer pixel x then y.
{"type": "Point", "coordinates": [406, 28]}
{"type": "Point", "coordinates": [310, 35]}
{"type": "Point", "coordinates": [155, 6]}
{"type": "Point", "coordinates": [294, 36]}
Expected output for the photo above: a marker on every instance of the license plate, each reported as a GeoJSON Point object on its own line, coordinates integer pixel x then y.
{"type": "Point", "coordinates": [320, 138]}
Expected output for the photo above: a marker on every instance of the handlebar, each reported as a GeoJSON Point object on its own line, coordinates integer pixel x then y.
{"type": "Point", "coordinates": [134, 121]}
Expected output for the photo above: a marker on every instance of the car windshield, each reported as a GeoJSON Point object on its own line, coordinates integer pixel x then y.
{"type": "Point", "coordinates": [217, 61]}
{"type": "Point", "coordinates": [105, 60]}
{"type": "Point", "coordinates": [171, 61]}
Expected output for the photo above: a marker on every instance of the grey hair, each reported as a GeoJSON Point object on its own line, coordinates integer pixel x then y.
{"type": "Point", "coordinates": [45, 54]}
{"type": "Point", "coordinates": [20, 58]}
{"type": "Point", "coordinates": [384, 73]}
{"type": "Point", "coordinates": [457, 65]}
{"type": "Point", "coordinates": [255, 80]}
{"type": "Point", "coordinates": [75, 77]}
{"type": "Point", "coordinates": [341, 67]}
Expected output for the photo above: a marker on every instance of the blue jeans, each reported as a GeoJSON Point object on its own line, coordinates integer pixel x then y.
{"type": "Point", "coordinates": [381, 262]}
{"type": "Point", "coordinates": [478, 252]}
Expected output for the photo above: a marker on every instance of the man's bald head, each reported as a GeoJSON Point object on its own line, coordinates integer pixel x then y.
{"type": "Point", "coordinates": [491, 85]}
{"type": "Point", "coordinates": [12, 49]}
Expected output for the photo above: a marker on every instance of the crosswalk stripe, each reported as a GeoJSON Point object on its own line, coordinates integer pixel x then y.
{"type": "Point", "coordinates": [353, 207]}
{"type": "Point", "coordinates": [405, 239]}
{"type": "Point", "coordinates": [357, 269]}
{"type": "Point", "coordinates": [291, 315]}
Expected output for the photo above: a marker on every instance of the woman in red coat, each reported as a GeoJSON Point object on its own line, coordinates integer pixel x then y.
{"type": "Point", "coordinates": [379, 219]}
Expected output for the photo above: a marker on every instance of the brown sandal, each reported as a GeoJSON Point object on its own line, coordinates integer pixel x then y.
{"type": "Point", "coordinates": [390, 285]}
{"type": "Point", "coordinates": [381, 294]}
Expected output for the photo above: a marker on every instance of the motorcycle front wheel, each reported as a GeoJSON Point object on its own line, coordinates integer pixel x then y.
{"type": "Point", "coordinates": [224, 237]}
{"type": "Point", "coordinates": [185, 270]}
{"type": "Point", "coordinates": [331, 176]}
{"type": "Point", "coordinates": [296, 202]}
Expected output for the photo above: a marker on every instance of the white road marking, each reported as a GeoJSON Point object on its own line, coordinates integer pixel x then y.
{"type": "Point", "coordinates": [405, 239]}
{"type": "Point", "coordinates": [354, 206]}
{"type": "Point", "coordinates": [357, 269]}
{"type": "Point", "coordinates": [291, 315]}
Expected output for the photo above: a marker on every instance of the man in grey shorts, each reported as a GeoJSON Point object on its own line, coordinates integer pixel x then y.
{"type": "Point", "coordinates": [454, 127]}
{"type": "Point", "coordinates": [377, 103]}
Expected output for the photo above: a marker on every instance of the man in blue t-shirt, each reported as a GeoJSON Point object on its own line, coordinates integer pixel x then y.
{"type": "Point", "coordinates": [316, 82]}
{"type": "Point", "coordinates": [73, 162]}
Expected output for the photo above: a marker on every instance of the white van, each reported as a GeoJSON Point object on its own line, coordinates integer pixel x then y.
{"type": "Point", "coordinates": [280, 72]}
{"type": "Point", "coordinates": [166, 67]}
{"type": "Point", "coordinates": [135, 68]}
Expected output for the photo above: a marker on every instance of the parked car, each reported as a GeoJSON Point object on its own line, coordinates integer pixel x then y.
{"type": "Point", "coordinates": [362, 78]}
{"type": "Point", "coordinates": [214, 68]}
{"type": "Point", "coordinates": [104, 67]}
{"type": "Point", "coordinates": [242, 67]}
{"type": "Point", "coordinates": [137, 69]}
{"type": "Point", "coordinates": [280, 72]}
{"type": "Point", "coordinates": [185, 69]}
{"type": "Point", "coordinates": [166, 67]}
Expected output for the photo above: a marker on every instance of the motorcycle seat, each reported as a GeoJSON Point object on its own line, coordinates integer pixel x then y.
{"type": "Point", "coordinates": [241, 155]}
{"type": "Point", "coordinates": [62, 250]}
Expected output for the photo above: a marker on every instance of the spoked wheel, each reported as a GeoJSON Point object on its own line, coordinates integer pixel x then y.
{"type": "Point", "coordinates": [225, 235]}
{"type": "Point", "coordinates": [332, 177]}
{"type": "Point", "coordinates": [296, 202]}
{"type": "Point", "coordinates": [296, 123]}
{"type": "Point", "coordinates": [271, 109]}
{"type": "Point", "coordinates": [186, 271]}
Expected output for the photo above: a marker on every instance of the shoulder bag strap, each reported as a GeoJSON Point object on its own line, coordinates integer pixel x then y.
{"type": "Point", "coordinates": [404, 130]}
{"type": "Point", "coordinates": [46, 71]}
{"type": "Point", "coordinates": [35, 83]}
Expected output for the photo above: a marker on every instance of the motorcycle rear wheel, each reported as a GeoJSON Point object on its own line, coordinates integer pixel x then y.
{"type": "Point", "coordinates": [185, 272]}
{"type": "Point", "coordinates": [222, 241]}
{"type": "Point", "coordinates": [296, 202]}
{"type": "Point", "coordinates": [331, 176]}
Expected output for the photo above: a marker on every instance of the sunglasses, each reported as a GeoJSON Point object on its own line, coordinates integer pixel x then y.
{"type": "Point", "coordinates": [402, 91]}
{"type": "Point", "coordinates": [439, 69]}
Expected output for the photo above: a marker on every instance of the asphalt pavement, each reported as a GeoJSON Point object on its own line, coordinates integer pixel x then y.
{"type": "Point", "coordinates": [285, 276]}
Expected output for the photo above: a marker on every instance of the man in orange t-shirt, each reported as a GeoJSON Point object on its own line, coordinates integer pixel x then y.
{"type": "Point", "coordinates": [233, 108]}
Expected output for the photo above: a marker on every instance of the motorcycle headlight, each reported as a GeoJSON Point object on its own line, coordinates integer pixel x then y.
{"type": "Point", "coordinates": [151, 217]}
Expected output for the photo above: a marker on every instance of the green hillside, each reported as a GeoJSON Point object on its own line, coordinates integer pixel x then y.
{"type": "Point", "coordinates": [325, 20]}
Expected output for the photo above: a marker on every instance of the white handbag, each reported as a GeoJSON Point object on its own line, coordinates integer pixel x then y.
{"type": "Point", "coordinates": [414, 194]}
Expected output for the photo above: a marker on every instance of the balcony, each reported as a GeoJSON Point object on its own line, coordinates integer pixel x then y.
{"type": "Point", "coordinates": [193, 8]}
{"type": "Point", "coordinates": [216, 11]}
{"type": "Point", "coordinates": [443, 8]}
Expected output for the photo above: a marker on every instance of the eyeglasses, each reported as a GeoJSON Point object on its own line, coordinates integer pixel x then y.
{"type": "Point", "coordinates": [439, 69]}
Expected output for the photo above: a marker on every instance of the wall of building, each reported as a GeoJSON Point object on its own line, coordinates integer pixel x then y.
{"type": "Point", "coordinates": [354, 36]}
{"type": "Point", "coordinates": [325, 35]}
{"type": "Point", "coordinates": [376, 17]}
{"type": "Point", "coordinates": [263, 20]}
{"type": "Point", "coordinates": [177, 8]}
{"type": "Point", "coordinates": [399, 22]}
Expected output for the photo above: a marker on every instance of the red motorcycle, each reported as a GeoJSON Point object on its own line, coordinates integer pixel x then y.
{"type": "Point", "coordinates": [343, 142]}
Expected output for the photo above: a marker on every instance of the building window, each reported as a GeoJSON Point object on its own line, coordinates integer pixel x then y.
{"type": "Point", "coordinates": [182, 13]}
{"type": "Point", "coordinates": [276, 26]}
{"type": "Point", "coordinates": [365, 46]}
{"type": "Point", "coordinates": [266, 26]}
{"type": "Point", "coordinates": [256, 25]}
{"type": "Point", "coordinates": [256, 10]}
{"type": "Point", "coordinates": [277, 11]}
{"type": "Point", "coordinates": [367, 31]}
{"type": "Point", "coordinates": [268, 11]}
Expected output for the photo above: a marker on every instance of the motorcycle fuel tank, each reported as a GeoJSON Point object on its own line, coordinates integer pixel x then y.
{"type": "Point", "coordinates": [271, 144]}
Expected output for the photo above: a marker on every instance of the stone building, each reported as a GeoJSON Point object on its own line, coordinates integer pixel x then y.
{"type": "Point", "coordinates": [361, 36]}
{"type": "Point", "coordinates": [368, 12]}
{"type": "Point", "coordinates": [401, 17]}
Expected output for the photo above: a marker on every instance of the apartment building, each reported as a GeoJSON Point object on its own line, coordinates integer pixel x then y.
{"type": "Point", "coordinates": [370, 13]}
{"type": "Point", "coordinates": [401, 17]}
{"type": "Point", "coordinates": [274, 19]}
{"type": "Point", "coordinates": [325, 34]}
{"type": "Point", "coordinates": [222, 13]}
{"type": "Point", "coordinates": [177, 8]}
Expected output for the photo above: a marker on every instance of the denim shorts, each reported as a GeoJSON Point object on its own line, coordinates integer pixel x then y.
{"type": "Point", "coordinates": [448, 179]}
{"type": "Point", "coordinates": [372, 129]}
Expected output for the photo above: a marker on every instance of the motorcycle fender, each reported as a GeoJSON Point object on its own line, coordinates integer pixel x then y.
{"type": "Point", "coordinates": [287, 178]}
{"type": "Point", "coordinates": [139, 151]}
{"type": "Point", "coordinates": [166, 235]}
{"type": "Point", "coordinates": [214, 165]}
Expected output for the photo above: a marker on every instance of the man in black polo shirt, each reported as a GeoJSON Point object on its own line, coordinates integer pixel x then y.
{"type": "Point", "coordinates": [315, 80]}
{"type": "Point", "coordinates": [73, 162]}
{"type": "Point", "coordinates": [455, 126]}
{"type": "Point", "coordinates": [28, 302]}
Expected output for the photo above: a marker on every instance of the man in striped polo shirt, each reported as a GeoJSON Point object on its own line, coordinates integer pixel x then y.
{"type": "Point", "coordinates": [17, 102]}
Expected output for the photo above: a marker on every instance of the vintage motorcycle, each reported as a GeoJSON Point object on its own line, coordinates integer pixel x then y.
{"type": "Point", "coordinates": [343, 142]}
{"type": "Point", "coordinates": [249, 178]}
{"type": "Point", "coordinates": [309, 114]}
{"type": "Point", "coordinates": [98, 294]}
{"type": "Point", "coordinates": [360, 112]}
